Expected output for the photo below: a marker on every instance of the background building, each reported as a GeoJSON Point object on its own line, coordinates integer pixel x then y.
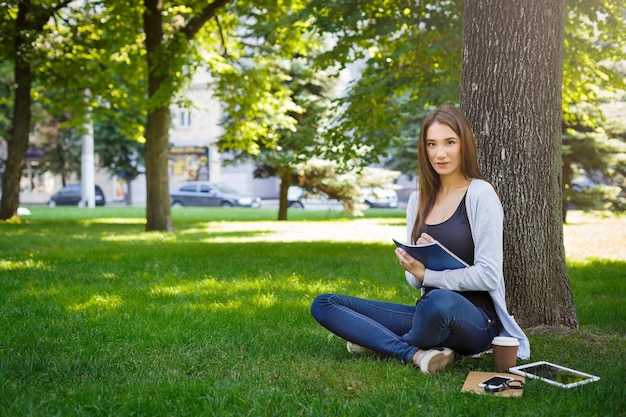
{"type": "Point", "coordinates": [193, 155]}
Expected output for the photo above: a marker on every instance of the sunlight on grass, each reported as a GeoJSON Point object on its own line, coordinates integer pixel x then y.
{"type": "Point", "coordinates": [258, 302]}
{"type": "Point", "coordinates": [363, 230]}
{"type": "Point", "coordinates": [378, 293]}
{"type": "Point", "coordinates": [204, 287]}
{"type": "Point", "coordinates": [141, 237]}
{"type": "Point", "coordinates": [212, 286]}
{"type": "Point", "coordinates": [233, 305]}
{"type": "Point", "coordinates": [10, 265]}
{"type": "Point", "coordinates": [38, 292]}
{"type": "Point", "coordinates": [259, 292]}
{"type": "Point", "coordinates": [114, 220]}
{"type": "Point", "coordinates": [264, 300]}
{"type": "Point", "coordinates": [211, 233]}
{"type": "Point", "coordinates": [97, 303]}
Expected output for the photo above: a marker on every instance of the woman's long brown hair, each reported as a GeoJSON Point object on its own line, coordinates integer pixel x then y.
{"type": "Point", "coordinates": [429, 181]}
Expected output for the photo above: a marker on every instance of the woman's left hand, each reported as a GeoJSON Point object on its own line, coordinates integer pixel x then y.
{"type": "Point", "coordinates": [410, 264]}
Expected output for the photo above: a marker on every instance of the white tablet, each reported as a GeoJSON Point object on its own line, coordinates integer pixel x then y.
{"type": "Point", "coordinates": [553, 374]}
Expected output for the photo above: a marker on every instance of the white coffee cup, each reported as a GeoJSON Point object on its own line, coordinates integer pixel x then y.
{"type": "Point", "coordinates": [504, 352]}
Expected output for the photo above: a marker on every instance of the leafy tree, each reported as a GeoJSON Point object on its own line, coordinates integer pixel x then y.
{"type": "Point", "coordinates": [175, 35]}
{"type": "Point", "coordinates": [615, 127]}
{"type": "Point", "coordinates": [21, 26]}
{"type": "Point", "coordinates": [597, 155]}
{"type": "Point", "coordinates": [59, 53]}
{"type": "Point", "coordinates": [157, 45]}
{"type": "Point", "coordinates": [121, 155]}
{"type": "Point", "coordinates": [62, 148]}
{"type": "Point", "coordinates": [403, 153]}
{"type": "Point", "coordinates": [412, 56]}
{"type": "Point", "coordinates": [352, 144]}
{"type": "Point", "coordinates": [331, 179]}
{"type": "Point", "coordinates": [594, 46]}
{"type": "Point", "coordinates": [275, 60]}
{"type": "Point", "coordinates": [595, 40]}
{"type": "Point", "coordinates": [311, 92]}
{"type": "Point", "coordinates": [111, 96]}
{"type": "Point", "coordinates": [168, 30]}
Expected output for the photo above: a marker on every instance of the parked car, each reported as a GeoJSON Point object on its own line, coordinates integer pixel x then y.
{"type": "Point", "coordinates": [70, 195]}
{"type": "Point", "coordinates": [380, 197]}
{"type": "Point", "coordinates": [207, 194]}
{"type": "Point", "coordinates": [298, 198]}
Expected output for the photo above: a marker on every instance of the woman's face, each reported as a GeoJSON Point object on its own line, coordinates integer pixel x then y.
{"type": "Point", "coordinates": [444, 149]}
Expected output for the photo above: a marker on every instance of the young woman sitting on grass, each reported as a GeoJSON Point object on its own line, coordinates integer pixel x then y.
{"type": "Point", "coordinates": [460, 310]}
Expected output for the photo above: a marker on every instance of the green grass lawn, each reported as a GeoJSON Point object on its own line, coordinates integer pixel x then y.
{"type": "Point", "coordinates": [99, 318]}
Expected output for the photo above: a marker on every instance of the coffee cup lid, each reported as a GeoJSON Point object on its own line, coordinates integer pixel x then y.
{"type": "Point", "coordinates": [505, 341]}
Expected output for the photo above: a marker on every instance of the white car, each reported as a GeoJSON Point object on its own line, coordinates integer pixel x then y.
{"type": "Point", "coordinates": [380, 197]}
{"type": "Point", "coordinates": [298, 198]}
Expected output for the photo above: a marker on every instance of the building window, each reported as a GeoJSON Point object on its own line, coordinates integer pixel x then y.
{"type": "Point", "coordinates": [185, 118]}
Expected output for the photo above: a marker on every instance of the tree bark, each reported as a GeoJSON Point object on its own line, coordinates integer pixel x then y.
{"type": "Point", "coordinates": [128, 195]}
{"type": "Point", "coordinates": [18, 145]}
{"type": "Point", "coordinates": [567, 176]}
{"type": "Point", "coordinates": [283, 200]}
{"type": "Point", "coordinates": [511, 93]}
{"type": "Point", "coordinates": [158, 210]}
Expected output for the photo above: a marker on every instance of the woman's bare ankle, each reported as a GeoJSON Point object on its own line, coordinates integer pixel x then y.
{"type": "Point", "coordinates": [417, 356]}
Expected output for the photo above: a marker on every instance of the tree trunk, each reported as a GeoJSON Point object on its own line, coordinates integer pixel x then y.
{"type": "Point", "coordinates": [18, 145]}
{"type": "Point", "coordinates": [128, 196]}
{"type": "Point", "coordinates": [158, 211]}
{"type": "Point", "coordinates": [283, 200]}
{"type": "Point", "coordinates": [29, 23]}
{"type": "Point", "coordinates": [511, 93]}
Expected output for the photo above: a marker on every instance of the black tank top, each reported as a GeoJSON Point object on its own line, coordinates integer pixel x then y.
{"type": "Point", "coordinates": [455, 234]}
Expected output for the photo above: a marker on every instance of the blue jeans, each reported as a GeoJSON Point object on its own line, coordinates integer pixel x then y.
{"type": "Point", "coordinates": [440, 318]}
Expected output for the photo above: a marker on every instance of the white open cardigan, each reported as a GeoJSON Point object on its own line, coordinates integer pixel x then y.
{"type": "Point", "coordinates": [485, 215]}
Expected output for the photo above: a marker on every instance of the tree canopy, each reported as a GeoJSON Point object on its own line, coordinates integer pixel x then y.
{"type": "Point", "coordinates": [411, 58]}
{"type": "Point", "coordinates": [112, 61]}
{"type": "Point", "coordinates": [22, 26]}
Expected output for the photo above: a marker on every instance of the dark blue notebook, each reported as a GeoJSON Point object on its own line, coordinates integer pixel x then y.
{"type": "Point", "coordinates": [434, 256]}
